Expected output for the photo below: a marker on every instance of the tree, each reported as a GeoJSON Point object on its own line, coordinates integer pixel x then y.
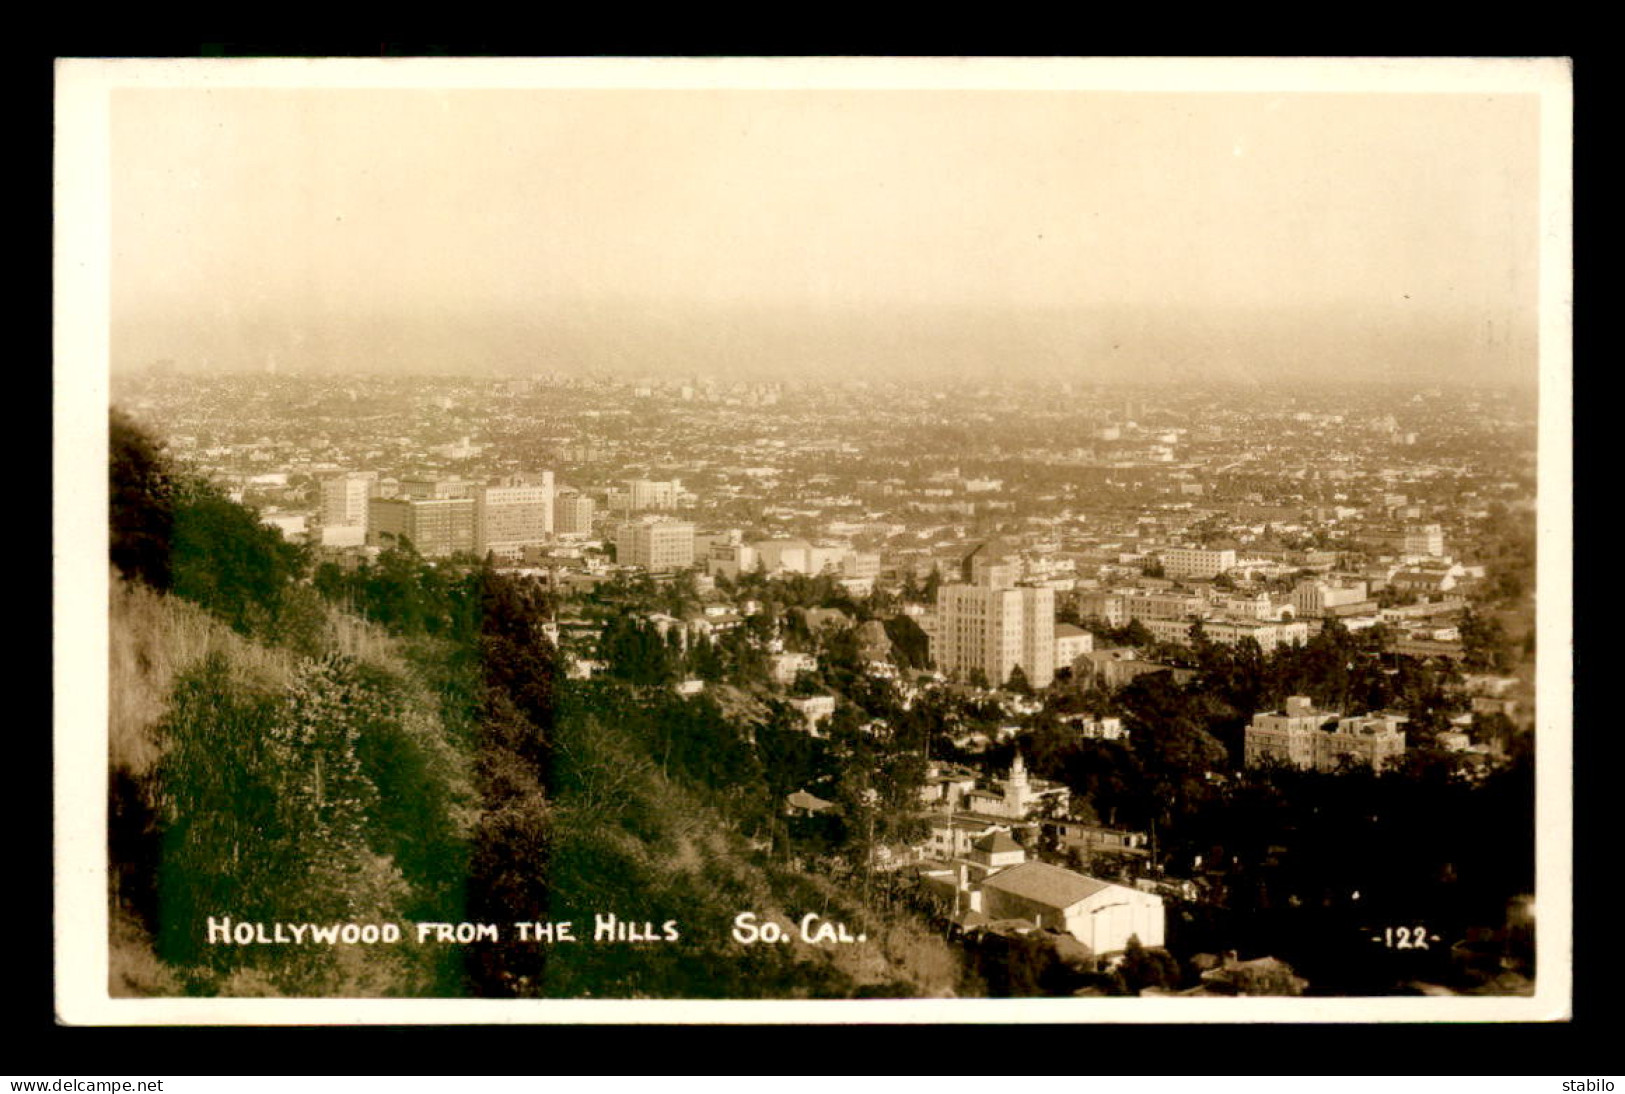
{"type": "Point", "coordinates": [635, 651]}
{"type": "Point", "coordinates": [1136, 634]}
{"type": "Point", "coordinates": [1148, 968]}
{"type": "Point", "coordinates": [1485, 645]}
{"type": "Point", "coordinates": [681, 594]}
{"type": "Point", "coordinates": [141, 504]}
{"type": "Point", "coordinates": [911, 647]}
{"type": "Point", "coordinates": [1018, 682]}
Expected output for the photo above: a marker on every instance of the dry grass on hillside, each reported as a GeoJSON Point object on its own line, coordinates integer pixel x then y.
{"type": "Point", "coordinates": [153, 638]}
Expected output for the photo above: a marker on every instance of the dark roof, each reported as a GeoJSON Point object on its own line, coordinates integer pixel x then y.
{"type": "Point", "coordinates": [995, 842]}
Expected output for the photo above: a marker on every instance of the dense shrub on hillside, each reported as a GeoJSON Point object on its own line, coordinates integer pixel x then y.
{"type": "Point", "coordinates": [141, 504]}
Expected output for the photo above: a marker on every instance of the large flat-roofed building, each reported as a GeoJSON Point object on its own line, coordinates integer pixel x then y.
{"type": "Point", "coordinates": [1315, 599]}
{"type": "Point", "coordinates": [1196, 563]}
{"type": "Point", "coordinates": [791, 555]}
{"type": "Point", "coordinates": [436, 527]}
{"type": "Point", "coordinates": [1305, 737]}
{"type": "Point", "coordinates": [730, 559]}
{"type": "Point", "coordinates": [658, 545]}
{"type": "Point", "coordinates": [512, 516]}
{"type": "Point", "coordinates": [434, 487]}
{"type": "Point", "coordinates": [1101, 915]}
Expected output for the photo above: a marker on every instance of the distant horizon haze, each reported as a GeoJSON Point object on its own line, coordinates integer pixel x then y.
{"type": "Point", "coordinates": [758, 232]}
{"type": "Point", "coordinates": [1140, 345]}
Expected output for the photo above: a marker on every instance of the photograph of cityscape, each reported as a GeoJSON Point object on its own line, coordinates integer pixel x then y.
{"type": "Point", "coordinates": [840, 534]}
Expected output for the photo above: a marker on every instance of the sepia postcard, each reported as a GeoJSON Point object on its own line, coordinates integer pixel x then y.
{"type": "Point", "coordinates": [813, 540]}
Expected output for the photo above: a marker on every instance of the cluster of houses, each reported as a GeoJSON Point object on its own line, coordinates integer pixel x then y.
{"type": "Point", "coordinates": [986, 881]}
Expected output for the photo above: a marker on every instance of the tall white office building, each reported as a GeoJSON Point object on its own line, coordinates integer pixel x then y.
{"type": "Point", "coordinates": [990, 625]}
{"type": "Point", "coordinates": [513, 515]}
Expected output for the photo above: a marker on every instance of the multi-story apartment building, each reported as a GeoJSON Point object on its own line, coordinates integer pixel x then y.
{"type": "Point", "coordinates": [1268, 635]}
{"type": "Point", "coordinates": [1070, 642]}
{"type": "Point", "coordinates": [641, 495]}
{"type": "Point", "coordinates": [657, 544]}
{"type": "Point", "coordinates": [1228, 632]}
{"type": "Point", "coordinates": [436, 527]}
{"type": "Point", "coordinates": [1196, 563]}
{"type": "Point", "coordinates": [1164, 605]}
{"type": "Point", "coordinates": [1423, 539]}
{"type": "Point", "coordinates": [1305, 737]}
{"type": "Point", "coordinates": [572, 514]}
{"type": "Point", "coordinates": [513, 515]}
{"type": "Point", "coordinates": [860, 565]}
{"type": "Point", "coordinates": [1105, 606]}
{"type": "Point", "coordinates": [1118, 608]}
{"type": "Point", "coordinates": [992, 627]}
{"type": "Point", "coordinates": [345, 497]}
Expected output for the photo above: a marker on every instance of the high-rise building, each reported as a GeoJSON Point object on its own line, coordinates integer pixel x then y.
{"type": "Point", "coordinates": [513, 515]}
{"type": "Point", "coordinates": [572, 514]}
{"type": "Point", "coordinates": [436, 527]}
{"type": "Point", "coordinates": [657, 544]}
{"type": "Point", "coordinates": [992, 626]}
{"type": "Point", "coordinates": [344, 498]}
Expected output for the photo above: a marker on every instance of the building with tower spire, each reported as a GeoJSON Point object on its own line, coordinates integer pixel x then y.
{"type": "Point", "coordinates": [1017, 795]}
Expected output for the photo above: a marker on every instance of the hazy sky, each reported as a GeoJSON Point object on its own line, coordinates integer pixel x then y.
{"type": "Point", "coordinates": [1049, 232]}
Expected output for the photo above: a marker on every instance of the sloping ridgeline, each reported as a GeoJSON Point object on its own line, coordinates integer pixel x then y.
{"type": "Point", "coordinates": [301, 743]}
